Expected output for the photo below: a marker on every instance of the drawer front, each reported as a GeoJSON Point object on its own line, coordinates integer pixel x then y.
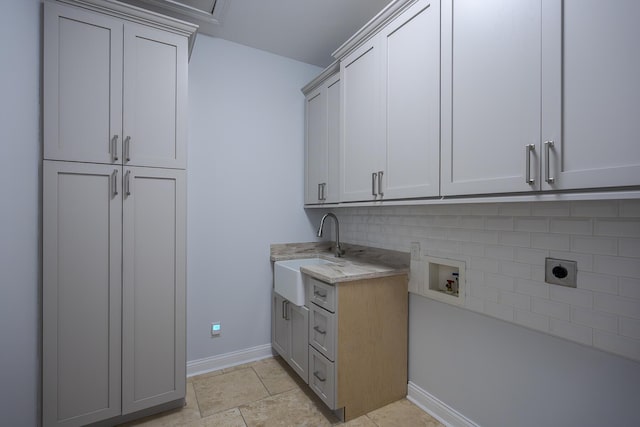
{"type": "Point", "coordinates": [322, 377]}
{"type": "Point", "coordinates": [322, 331]}
{"type": "Point", "coordinates": [322, 294]}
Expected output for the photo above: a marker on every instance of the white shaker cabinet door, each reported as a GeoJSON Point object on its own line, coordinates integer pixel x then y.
{"type": "Point", "coordinates": [491, 96]}
{"type": "Point", "coordinates": [411, 79]}
{"type": "Point", "coordinates": [362, 128]}
{"type": "Point", "coordinates": [591, 98]}
{"type": "Point", "coordinates": [81, 292]}
{"type": "Point", "coordinates": [155, 98]}
{"type": "Point", "coordinates": [154, 276]}
{"type": "Point", "coordinates": [82, 85]}
{"type": "Point", "coordinates": [280, 326]}
{"type": "Point", "coordinates": [316, 149]}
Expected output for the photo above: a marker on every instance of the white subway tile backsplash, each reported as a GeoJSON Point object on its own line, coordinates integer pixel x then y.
{"type": "Point", "coordinates": [628, 347]}
{"type": "Point", "coordinates": [629, 248]}
{"type": "Point", "coordinates": [595, 319]}
{"type": "Point", "coordinates": [617, 305]}
{"type": "Point", "coordinates": [594, 245]}
{"type": "Point", "coordinates": [505, 246]}
{"type": "Point", "coordinates": [618, 266]}
{"type": "Point", "coordinates": [560, 242]}
{"type": "Point", "coordinates": [597, 282]}
{"type": "Point", "coordinates": [571, 226]}
{"type": "Point", "coordinates": [549, 308]}
{"type": "Point", "coordinates": [571, 331]}
{"type": "Point", "coordinates": [617, 227]}
{"type": "Point", "coordinates": [629, 288]}
{"type": "Point", "coordinates": [630, 327]}
{"type": "Point", "coordinates": [572, 296]}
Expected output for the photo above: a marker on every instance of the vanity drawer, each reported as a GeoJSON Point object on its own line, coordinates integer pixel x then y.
{"type": "Point", "coordinates": [322, 294]}
{"type": "Point", "coordinates": [322, 377]}
{"type": "Point", "coordinates": [322, 331]}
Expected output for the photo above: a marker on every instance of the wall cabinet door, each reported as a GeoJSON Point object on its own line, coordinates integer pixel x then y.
{"type": "Point", "coordinates": [591, 96]}
{"type": "Point", "coordinates": [81, 292]}
{"type": "Point", "coordinates": [154, 274]}
{"type": "Point", "coordinates": [411, 84]}
{"type": "Point", "coordinates": [155, 98]}
{"type": "Point", "coordinates": [491, 96]}
{"type": "Point", "coordinates": [82, 90]}
{"type": "Point", "coordinates": [362, 141]}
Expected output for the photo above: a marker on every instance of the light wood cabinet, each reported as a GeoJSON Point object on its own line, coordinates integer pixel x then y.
{"type": "Point", "coordinates": [115, 91]}
{"type": "Point", "coordinates": [390, 119]}
{"type": "Point", "coordinates": [289, 336]}
{"type": "Point", "coordinates": [322, 139]}
{"type": "Point", "coordinates": [358, 343]}
{"type": "Point", "coordinates": [114, 234]}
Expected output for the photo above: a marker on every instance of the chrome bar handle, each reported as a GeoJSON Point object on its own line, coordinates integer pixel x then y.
{"type": "Point", "coordinates": [319, 194]}
{"type": "Point", "coordinates": [284, 309]}
{"type": "Point", "coordinates": [317, 375]}
{"type": "Point", "coordinates": [324, 197]}
{"type": "Point", "coordinates": [114, 148]}
{"type": "Point", "coordinates": [528, 149]}
{"type": "Point", "coordinates": [320, 331]}
{"type": "Point", "coordinates": [380, 173]}
{"type": "Point", "coordinates": [126, 148]}
{"type": "Point", "coordinates": [374, 176]}
{"type": "Point", "coordinates": [127, 180]}
{"type": "Point", "coordinates": [548, 145]}
{"type": "Point", "coordinates": [114, 182]}
{"type": "Point", "coordinates": [319, 294]}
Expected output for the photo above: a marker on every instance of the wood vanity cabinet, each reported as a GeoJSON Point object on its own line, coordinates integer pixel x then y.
{"type": "Point", "coordinates": [358, 343]}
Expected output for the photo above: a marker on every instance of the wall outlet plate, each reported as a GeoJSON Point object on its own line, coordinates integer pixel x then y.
{"type": "Point", "coordinates": [216, 329]}
{"type": "Point", "coordinates": [561, 272]}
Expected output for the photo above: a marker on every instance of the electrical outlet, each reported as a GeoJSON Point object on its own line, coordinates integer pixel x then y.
{"type": "Point", "coordinates": [216, 329]}
{"type": "Point", "coordinates": [561, 272]}
{"type": "Point", "coordinates": [415, 251]}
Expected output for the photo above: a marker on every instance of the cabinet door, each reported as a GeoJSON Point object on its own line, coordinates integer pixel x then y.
{"type": "Point", "coordinates": [81, 293]}
{"type": "Point", "coordinates": [491, 95]}
{"type": "Point", "coordinates": [411, 79]}
{"type": "Point", "coordinates": [299, 357]}
{"type": "Point", "coordinates": [155, 98]}
{"type": "Point", "coordinates": [316, 145]}
{"type": "Point", "coordinates": [82, 92]}
{"type": "Point", "coordinates": [280, 328]}
{"type": "Point", "coordinates": [332, 189]}
{"type": "Point", "coordinates": [591, 101]}
{"type": "Point", "coordinates": [362, 142]}
{"type": "Point", "coordinates": [153, 345]}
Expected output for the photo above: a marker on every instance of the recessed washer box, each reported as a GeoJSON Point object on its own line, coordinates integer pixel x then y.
{"type": "Point", "coordinates": [445, 280]}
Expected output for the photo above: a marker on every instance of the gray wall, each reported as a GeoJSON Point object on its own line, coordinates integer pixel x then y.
{"type": "Point", "coordinates": [499, 374]}
{"type": "Point", "coordinates": [245, 188]}
{"type": "Point", "coordinates": [19, 215]}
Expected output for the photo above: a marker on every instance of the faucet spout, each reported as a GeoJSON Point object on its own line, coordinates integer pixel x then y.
{"type": "Point", "coordinates": [339, 251]}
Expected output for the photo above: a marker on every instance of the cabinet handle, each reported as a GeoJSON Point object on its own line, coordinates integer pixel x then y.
{"type": "Point", "coordinates": [320, 331]}
{"type": "Point", "coordinates": [323, 185]}
{"type": "Point", "coordinates": [114, 182]}
{"type": "Point", "coordinates": [127, 180]}
{"type": "Point", "coordinates": [114, 148]}
{"type": "Point", "coordinates": [126, 148]}
{"type": "Point", "coordinates": [319, 194]}
{"type": "Point", "coordinates": [548, 145]}
{"type": "Point", "coordinates": [319, 377]}
{"type": "Point", "coordinates": [374, 176]}
{"type": "Point", "coordinates": [319, 294]}
{"type": "Point", "coordinates": [284, 309]}
{"type": "Point", "coordinates": [528, 149]}
{"type": "Point", "coordinates": [380, 193]}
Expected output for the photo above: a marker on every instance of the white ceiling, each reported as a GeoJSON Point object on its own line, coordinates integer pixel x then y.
{"type": "Point", "coordinates": [305, 30]}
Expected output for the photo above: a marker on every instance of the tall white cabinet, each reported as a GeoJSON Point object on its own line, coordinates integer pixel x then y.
{"type": "Point", "coordinates": [114, 202]}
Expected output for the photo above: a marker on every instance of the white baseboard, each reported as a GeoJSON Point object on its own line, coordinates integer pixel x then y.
{"type": "Point", "coordinates": [437, 409]}
{"type": "Point", "coordinates": [214, 363]}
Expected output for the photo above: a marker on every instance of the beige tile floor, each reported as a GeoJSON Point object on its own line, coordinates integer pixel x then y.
{"type": "Point", "coordinates": [268, 393]}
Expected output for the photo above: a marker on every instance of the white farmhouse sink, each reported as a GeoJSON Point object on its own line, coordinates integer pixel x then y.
{"type": "Point", "coordinates": [288, 278]}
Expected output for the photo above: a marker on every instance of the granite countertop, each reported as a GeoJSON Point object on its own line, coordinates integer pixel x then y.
{"type": "Point", "coordinates": [358, 262]}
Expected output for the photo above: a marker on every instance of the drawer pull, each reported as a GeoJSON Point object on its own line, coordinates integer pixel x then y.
{"type": "Point", "coordinates": [319, 377]}
{"type": "Point", "coordinates": [318, 330]}
{"type": "Point", "coordinates": [319, 294]}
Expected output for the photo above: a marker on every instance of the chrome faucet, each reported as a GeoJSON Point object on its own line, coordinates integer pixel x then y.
{"type": "Point", "coordinates": [339, 250]}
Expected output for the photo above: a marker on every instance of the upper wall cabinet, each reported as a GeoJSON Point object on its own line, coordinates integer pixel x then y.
{"type": "Point", "coordinates": [539, 95]}
{"type": "Point", "coordinates": [390, 115]}
{"type": "Point", "coordinates": [322, 139]}
{"type": "Point", "coordinates": [115, 91]}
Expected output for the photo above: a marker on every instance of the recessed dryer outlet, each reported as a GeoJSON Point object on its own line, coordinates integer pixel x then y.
{"type": "Point", "coordinates": [561, 272]}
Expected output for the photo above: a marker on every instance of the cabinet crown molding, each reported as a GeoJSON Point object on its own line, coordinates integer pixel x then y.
{"type": "Point", "coordinates": [325, 74]}
{"type": "Point", "coordinates": [141, 16]}
{"type": "Point", "coordinates": [376, 23]}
